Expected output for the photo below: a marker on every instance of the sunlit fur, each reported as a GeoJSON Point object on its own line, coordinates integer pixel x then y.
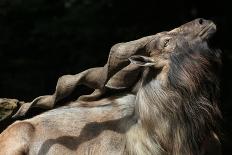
{"type": "Point", "coordinates": [173, 112]}
{"type": "Point", "coordinates": [181, 112]}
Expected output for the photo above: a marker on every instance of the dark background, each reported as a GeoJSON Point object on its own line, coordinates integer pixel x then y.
{"type": "Point", "coordinates": [41, 40]}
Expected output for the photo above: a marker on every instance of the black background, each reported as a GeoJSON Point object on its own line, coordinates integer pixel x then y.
{"type": "Point", "coordinates": [40, 40]}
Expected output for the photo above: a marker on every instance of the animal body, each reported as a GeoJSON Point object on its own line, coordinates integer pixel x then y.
{"type": "Point", "coordinates": [173, 111]}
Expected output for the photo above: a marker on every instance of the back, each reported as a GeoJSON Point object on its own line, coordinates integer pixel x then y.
{"type": "Point", "coordinates": [81, 130]}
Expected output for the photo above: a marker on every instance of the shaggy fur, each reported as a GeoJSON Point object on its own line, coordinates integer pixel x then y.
{"type": "Point", "coordinates": [173, 110]}
{"type": "Point", "coordinates": [180, 112]}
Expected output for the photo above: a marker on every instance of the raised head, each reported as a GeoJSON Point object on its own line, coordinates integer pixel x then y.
{"type": "Point", "coordinates": [190, 39]}
{"type": "Point", "coordinates": [177, 101]}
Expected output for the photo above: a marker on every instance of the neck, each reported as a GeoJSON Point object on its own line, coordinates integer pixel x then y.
{"type": "Point", "coordinates": [176, 123]}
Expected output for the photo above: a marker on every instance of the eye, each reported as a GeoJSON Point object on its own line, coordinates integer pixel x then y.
{"type": "Point", "coordinates": [166, 41]}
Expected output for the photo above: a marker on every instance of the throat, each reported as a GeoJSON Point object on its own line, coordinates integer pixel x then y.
{"type": "Point", "coordinates": [139, 142]}
{"type": "Point", "coordinates": [174, 124]}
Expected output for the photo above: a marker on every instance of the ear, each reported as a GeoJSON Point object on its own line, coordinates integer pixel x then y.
{"type": "Point", "coordinates": [141, 60]}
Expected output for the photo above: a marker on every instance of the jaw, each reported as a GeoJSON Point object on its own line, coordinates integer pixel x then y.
{"type": "Point", "coordinates": [198, 27]}
{"type": "Point", "coordinates": [208, 31]}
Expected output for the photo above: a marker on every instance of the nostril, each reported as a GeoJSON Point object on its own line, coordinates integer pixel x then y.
{"type": "Point", "coordinates": [201, 21]}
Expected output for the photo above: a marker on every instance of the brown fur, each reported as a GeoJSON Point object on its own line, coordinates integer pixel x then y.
{"type": "Point", "coordinates": [172, 112]}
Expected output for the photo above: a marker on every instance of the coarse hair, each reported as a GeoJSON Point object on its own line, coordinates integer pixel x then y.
{"type": "Point", "coordinates": [178, 114]}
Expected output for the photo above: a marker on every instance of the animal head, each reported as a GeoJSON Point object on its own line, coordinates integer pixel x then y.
{"type": "Point", "coordinates": [183, 52]}
{"type": "Point", "coordinates": [158, 47]}
{"type": "Point", "coordinates": [192, 36]}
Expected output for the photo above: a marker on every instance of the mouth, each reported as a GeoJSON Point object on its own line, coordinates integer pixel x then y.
{"type": "Point", "coordinates": [208, 31]}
